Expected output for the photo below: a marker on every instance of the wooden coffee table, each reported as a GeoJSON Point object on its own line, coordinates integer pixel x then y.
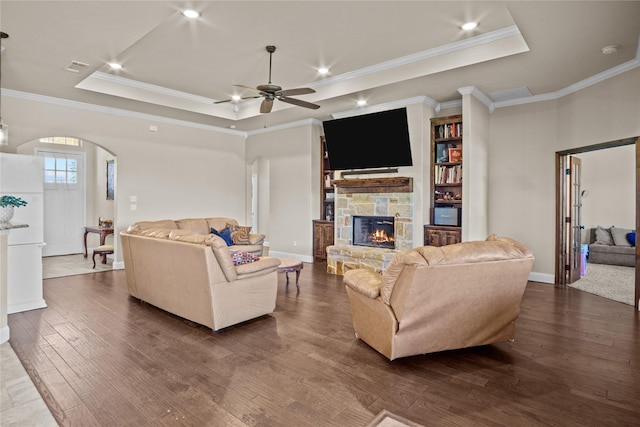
{"type": "Point", "coordinates": [289, 265]}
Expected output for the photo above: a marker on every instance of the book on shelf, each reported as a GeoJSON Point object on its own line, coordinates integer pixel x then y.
{"type": "Point", "coordinates": [448, 174]}
{"type": "Point", "coordinates": [455, 154]}
{"type": "Point", "coordinates": [442, 153]}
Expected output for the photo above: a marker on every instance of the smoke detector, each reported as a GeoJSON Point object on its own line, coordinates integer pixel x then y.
{"type": "Point", "coordinates": [608, 50]}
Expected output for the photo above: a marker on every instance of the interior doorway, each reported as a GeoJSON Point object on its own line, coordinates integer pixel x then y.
{"type": "Point", "coordinates": [567, 207]}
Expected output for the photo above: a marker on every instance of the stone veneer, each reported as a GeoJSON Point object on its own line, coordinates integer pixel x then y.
{"type": "Point", "coordinates": [343, 256]}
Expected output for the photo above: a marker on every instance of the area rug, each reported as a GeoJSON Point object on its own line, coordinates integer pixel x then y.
{"type": "Point", "coordinates": [610, 281]}
{"type": "Point", "coordinates": [389, 419]}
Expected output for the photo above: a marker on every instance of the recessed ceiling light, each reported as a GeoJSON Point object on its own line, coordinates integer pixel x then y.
{"type": "Point", "coordinates": [607, 50]}
{"type": "Point", "coordinates": [323, 70]}
{"type": "Point", "coordinates": [468, 26]}
{"type": "Point", "coordinates": [362, 103]}
{"type": "Point", "coordinates": [190, 13]}
{"type": "Point", "coordinates": [115, 66]}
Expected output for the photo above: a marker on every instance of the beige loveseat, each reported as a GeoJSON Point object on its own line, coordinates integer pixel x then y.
{"type": "Point", "coordinates": [439, 298]}
{"type": "Point", "coordinates": [192, 275]}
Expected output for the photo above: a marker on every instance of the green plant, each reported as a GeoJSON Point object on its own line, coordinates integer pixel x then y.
{"type": "Point", "coordinates": [12, 201]}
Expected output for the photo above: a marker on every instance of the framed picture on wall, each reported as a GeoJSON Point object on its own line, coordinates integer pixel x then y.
{"type": "Point", "coordinates": [110, 180]}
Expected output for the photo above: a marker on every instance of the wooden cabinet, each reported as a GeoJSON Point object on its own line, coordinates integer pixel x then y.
{"type": "Point", "coordinates": [446, 181]}
{"type": "Point", "coordinates": [327, 192]}
{"type": "Point", "coordinates": [441, 235]}
{"type": "Point", "coordinates": [322, 237]}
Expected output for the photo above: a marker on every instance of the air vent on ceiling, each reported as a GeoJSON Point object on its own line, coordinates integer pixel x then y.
{"type": "Point", "coordinates": [76, 66]}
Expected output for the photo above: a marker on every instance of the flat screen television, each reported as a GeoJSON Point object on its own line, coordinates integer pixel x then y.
{"type": "Point", "coordinates": [370, 141]}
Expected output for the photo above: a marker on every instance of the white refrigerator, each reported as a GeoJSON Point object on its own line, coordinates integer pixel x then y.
{"type": "Point", "coordinates": [23, 176]}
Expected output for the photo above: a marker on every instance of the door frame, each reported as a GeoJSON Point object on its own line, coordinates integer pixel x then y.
{"type": "Point", "coordinates": [561, 195]}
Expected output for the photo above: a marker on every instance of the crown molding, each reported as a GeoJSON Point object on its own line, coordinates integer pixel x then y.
{"type": "Point", "coordinates": [290, 125]}
{"type": "Point", "coordinates": [479, 95]}
{"type": "Point", "coordinates": [385, 106]}
{"type": "Point", "coordinates": [470, 42]}
{"type": "Point", "coordinates": [116, 111]}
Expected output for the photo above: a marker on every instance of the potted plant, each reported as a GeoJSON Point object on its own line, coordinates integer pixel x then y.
{"type": "Point", "coordinates": [7, 204]}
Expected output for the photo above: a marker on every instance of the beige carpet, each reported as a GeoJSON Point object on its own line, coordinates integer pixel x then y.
{"type": "Point", "coordinates": [610, 281]}
{"type": "Point", "coordinates": [70, 265]}
{"type": "Point", "coordinates": [388, 419]}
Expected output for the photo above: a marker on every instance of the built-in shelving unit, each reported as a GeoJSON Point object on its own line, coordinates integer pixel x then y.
{"type": "Point", "coordinates": [323, 228]}
{"type": "Point", "coordinates": [446, 182]}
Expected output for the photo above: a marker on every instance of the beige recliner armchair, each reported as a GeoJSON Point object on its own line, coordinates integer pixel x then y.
{"type": "Point", "coordinates": [439, 298]}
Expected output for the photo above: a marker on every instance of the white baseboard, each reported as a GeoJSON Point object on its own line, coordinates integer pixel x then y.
{"type": "Point", "coordinates": [119, 265]}
{"type": "Point", "coordinates": [26, 306]}
{"type": "Point", "coordinates": [542, 277]}
{"type": "Point", "coordinates": [303, 258]}
{"type": "Point", "coordinates": [4, 334]}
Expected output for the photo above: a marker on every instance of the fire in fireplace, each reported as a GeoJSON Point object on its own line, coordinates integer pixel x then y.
{"type": "Point", "coordinates": [375, 231]}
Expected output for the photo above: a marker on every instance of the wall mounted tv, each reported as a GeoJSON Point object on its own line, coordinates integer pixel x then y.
{"type": "Point", "coordinates": [370, 141]}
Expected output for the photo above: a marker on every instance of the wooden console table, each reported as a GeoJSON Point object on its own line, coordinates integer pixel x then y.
{"type": "Point", "coordinates": [103, 232]}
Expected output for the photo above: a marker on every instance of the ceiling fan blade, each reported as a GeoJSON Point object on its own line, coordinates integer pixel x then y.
{"type": "Point", "coordinates": [299, 102]}
{"type": "Point", "coordinates": [298, 91]}
{"type": "Point", "coordinates": [266, 105]}
{"type": "Point", "coordinates": [248, 88]}
{"type": "Point", "coordinates": [243, 98]}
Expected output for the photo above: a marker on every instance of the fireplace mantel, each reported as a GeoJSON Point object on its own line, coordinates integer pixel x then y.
{"type": "Point", "coordinates": [375, 185]}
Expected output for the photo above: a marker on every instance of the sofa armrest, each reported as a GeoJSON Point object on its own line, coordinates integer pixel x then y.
{"type": "Point", "coordinates": [264, 265]}
{"type": "Point", "coordinates": [256, 239]}
{"type": "Point", "coordinates": [363, 281]}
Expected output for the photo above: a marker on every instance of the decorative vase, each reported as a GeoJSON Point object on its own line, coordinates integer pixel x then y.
{"type": "Point", "coordinates": [6, 213]}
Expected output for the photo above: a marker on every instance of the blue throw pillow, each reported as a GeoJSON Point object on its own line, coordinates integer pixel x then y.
{"type": "Point", "coordinates": [631, 238]}
{"type": "Point", "coordinates": [224, 234]}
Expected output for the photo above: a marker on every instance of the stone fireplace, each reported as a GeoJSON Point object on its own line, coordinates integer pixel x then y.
{"type": "Point", "coordinates": [391, 198]}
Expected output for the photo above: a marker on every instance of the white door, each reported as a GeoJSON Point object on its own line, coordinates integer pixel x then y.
{"type": "Point", "coordinates": [64, 202]}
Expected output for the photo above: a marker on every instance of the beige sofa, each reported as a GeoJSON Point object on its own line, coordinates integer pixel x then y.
{"type": "Point", "coordinates": [192, 274]}
{"type": "Point", "coordinates": [439, 298]}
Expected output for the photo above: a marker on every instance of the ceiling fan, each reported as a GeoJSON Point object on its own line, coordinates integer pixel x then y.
{"type": "Point", "coordinates": [270, 92]}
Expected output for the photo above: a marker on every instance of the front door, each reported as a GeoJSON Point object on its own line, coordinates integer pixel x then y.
{"type": "Point", "coordinates": [64, 202]}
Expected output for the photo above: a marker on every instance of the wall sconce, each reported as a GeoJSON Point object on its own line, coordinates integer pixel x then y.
{"type": "Point", "coordinates": [4, 133]}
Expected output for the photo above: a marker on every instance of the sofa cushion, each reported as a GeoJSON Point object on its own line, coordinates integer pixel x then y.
{"type": "Point", "coordinates": [225, 234]}
{"type": "Point", "coordinates": [158, 233]}
{"type": "Point", "coordinates": [143, 225]}
{"type": "Point", "coordinates": [619, 236]}
{"type": "Point", "coordinates": [189, 237]}
{"type": "Point", "coordinates": [221, 222]}
{"type": "Point", "coordinates": [603, 236]}
{"type": "Point", "coordinates": [197, 225]}
{"type": "Point", "coordinates": [364, 281]}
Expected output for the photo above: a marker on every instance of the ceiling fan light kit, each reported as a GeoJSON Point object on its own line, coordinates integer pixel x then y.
{"type": "Point", "coordinates": [271, 91]}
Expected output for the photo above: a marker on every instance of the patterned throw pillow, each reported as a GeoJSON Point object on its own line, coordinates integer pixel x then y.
{"type": "Point", "coordinates": [239, 234]}
{"type": "Point", "coordinates": [243, 257]}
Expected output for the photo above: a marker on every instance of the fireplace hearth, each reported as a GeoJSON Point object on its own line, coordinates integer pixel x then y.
{"type": "Point", "coordinates": [374, 231]}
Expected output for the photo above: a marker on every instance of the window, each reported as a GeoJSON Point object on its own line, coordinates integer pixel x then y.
{"type": "Point", "coordinates": [60, 170]}
{"type": "Point", "coordinates": [63, 140]}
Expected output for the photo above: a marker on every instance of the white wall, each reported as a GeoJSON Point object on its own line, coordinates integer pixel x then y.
{"type": "Point", "coordinates": [179, 171]}
{"type": "Point", "coordinates": [609, 179]}
{"type": "Point", "coordinates": [291, 199]}
{"type": "Point", "coordinates": [524, 140]}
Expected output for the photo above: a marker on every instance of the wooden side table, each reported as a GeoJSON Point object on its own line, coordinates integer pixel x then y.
{"type": "Point", "coordinates": [103, 232]}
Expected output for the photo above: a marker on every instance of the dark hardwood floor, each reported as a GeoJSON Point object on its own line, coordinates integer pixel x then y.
{"type": "Point", "coordinates": [100, 357]}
